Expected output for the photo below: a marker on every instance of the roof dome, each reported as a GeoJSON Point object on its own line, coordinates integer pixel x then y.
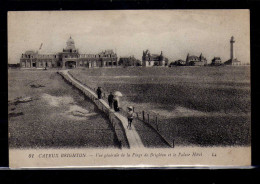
{"type": "Point", "coordinates": [70, 41]}
{"type": "Point", "coordinates": [70, 44]}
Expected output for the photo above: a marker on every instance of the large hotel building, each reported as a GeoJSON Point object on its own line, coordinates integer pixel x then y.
{"type": "Point", "coordinates": [68, 58]}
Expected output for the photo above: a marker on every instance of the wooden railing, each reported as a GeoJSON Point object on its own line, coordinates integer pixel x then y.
{"type": "Point", "coordinates": [116, 124]}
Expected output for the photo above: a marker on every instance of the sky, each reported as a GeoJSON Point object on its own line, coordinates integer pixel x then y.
{"type": "Point", "coordinates": [129, 32]}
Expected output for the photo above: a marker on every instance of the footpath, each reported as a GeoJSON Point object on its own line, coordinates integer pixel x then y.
{"type": "Point", "coordinates": [132, 136]}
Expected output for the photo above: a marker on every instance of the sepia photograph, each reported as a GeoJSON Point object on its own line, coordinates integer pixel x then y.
{"type": "Point", "coordinates": [129, 88]}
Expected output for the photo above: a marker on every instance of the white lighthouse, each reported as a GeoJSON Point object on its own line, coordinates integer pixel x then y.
{"type": "Point", "coordinates": [232, 60]}
{"type": "Point", "coordinates": [232, 41]}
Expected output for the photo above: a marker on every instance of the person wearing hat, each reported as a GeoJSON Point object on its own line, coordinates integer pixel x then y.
{"type": "Point", "coordinates": [110, 100]}
{"type": "Point", "coordinates": [130, 116]}
{"type": "Point", "coordinates": [115, 104]}
{"type": "Point", "coordinates": [99, 92]}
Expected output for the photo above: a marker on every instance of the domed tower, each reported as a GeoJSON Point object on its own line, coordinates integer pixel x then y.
{"type": "Point", "coordinates": [70, 45]}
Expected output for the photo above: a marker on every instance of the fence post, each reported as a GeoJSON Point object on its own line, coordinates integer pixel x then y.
{"type": "Point", "coordinates": [137, 115]}
{"type": "Point", "coordinates": [112, 123]}
{"type": "Point", "coordinates": [143, 116]}
{"type": "Point", "coordinates": [148, 119]}
{"type": "Point", "coordinates": [156, 119]}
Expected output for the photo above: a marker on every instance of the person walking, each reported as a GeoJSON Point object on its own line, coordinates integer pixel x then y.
{"type": "Point", "coordinates": [115, 103]}
{"type": "Point", "coordinates": [110, 100]}
{"type": "Point", "coordinates": [99, 92]}
{"type": "Point", "coordinates": [130, 116]}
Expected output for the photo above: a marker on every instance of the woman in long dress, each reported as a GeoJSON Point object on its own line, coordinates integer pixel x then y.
{"type": "Point", "coordinates": [116, 104]}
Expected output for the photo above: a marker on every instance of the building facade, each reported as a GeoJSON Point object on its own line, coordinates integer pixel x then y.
{"type": "Point", "coordinates": [216, 61]}
{"type": "Point", "coordinates": [149, 59]}
{"type": "Point", "coordinates": [129, 61]}
{"type": "Point", "coordinates": [180, 62]}
{"type": "Point", "coordinates": [68, 58]}
{"type": "Point", "coordinates": [195, 60]}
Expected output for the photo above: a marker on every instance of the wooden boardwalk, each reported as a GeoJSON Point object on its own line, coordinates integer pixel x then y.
{"type": "Point", "coordinates": [132, 136]}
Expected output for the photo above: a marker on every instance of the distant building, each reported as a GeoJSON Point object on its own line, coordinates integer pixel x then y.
{"type": "Point", "coordinates": [180, 62]}
{"type": "Point", "coordinates": [68, 58]}
{"type": "Point", "coordinates": [232, 60]}
{"type": "Point", "coordinates": [149, 59]}
{"type": "Point", "coordinates": [129, 61]}
{"type": "Point", "coordinates": [216, 61]}
{"type": "Point", "coordinates": [195, 60]}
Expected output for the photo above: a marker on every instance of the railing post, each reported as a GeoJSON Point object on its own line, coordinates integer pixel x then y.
{"type": "Point", "coordinates": [156, 120]}
{"type": "Point", "coordinates": [111, 120]}
{"type": "Point", "coordinates": [143, 116]}
{"type": "Point", "coordinates": [148, 119]}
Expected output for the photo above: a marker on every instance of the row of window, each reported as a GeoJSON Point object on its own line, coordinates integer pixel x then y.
{"type": "Point", "coordinates": [47, 56]}
{"type": "Point", "coordinates": [66, 56]}
{"type": "Point", "coordinates": [39, 62]}
{"type": "Point", "coordinates": [153, 59]}
{"type": "Point", "coordinates": [45, 60]}
{"type": "Point", "coordinates": [27, 56]}
{"type": "Point", "coordinates": [197, 60]}
{"type": "Point", "coordinates": [154, 63]}
{"type": "Point", "coordinates": [38, 56]}
{"type": "Point", "coordinates": [85, 62]}
{"type": "Point", "coordinates": [94, 56]}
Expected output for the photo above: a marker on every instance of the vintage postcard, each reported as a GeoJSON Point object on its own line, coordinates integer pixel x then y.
{"type": "Point", "coordinates": [129, 88]}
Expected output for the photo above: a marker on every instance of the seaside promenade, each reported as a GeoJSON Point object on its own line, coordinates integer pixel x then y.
{"type": "Point", "coordinates": [132, 136]}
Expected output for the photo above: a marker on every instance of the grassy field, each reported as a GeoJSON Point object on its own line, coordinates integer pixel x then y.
{"type": "Point", "coordinates": [196, 105]}
{"type": "Point", "coordinates": [52, 117]}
